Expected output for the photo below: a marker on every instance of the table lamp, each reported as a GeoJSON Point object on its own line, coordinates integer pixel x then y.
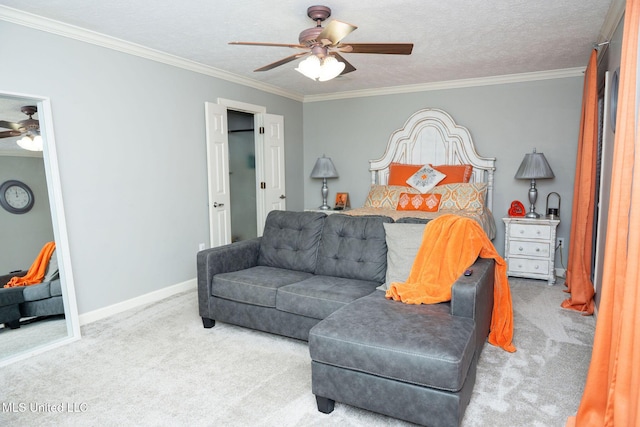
{"type": "Point", "coordinates": [534, 166]}
{"type": "Point", "coordinates": [324, 169]}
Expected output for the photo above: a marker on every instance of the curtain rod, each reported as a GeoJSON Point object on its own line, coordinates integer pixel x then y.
{"type": "Point", "coordinates": [597, 46]}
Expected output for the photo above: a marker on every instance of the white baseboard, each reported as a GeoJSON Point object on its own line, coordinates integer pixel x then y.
{"type": "Point", "coordinates": [141, 300]}
{"type": "Point", "coordinates": [561, 272]}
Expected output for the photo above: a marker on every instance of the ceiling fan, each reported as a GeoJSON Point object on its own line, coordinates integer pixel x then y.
{"type": "Point", "coordinates": [322, 47]}
{"type": "Point", "coordinates": [29, 129]}
{"type": "Point", "coordinates": [28, 126]}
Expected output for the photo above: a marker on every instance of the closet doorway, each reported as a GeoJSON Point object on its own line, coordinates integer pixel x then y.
{"type": "Point", "coordinates": [248, 183]}
{"type": "Point", "coordinates": [242, 175]}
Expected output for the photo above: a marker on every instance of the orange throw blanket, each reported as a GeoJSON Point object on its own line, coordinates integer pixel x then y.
{"type": "Point", "coordinates": [37, 270]}
{"type": "Point", "coordinates": [450, 244]}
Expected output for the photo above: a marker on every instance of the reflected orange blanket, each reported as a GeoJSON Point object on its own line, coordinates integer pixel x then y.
{"type": "Point", "coordinates": [450, 244]}
{"type": "Point", "coordinates": [37, 269]}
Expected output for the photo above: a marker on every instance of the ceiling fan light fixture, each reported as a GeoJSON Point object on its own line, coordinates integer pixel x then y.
{"type": "Point", "coordinates": [30, 143]}
{"type": "Point", "coordinates": [330, 69]}
{"type": "Point", "coordinates": [320, 70]}
{"type": "Point", "coordinates": [310, 67]}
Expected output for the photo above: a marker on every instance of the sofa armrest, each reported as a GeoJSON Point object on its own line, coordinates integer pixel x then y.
{"type": "Point", "coordinates": [223, 259]}
{"type": "Point", "coordinates": [472, 296]}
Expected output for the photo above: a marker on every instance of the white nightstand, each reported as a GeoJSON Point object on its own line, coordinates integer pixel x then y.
{"type": "Point", "coordinates": [529, 247]}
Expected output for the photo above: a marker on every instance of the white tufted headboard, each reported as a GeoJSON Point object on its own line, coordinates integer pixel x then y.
{"type": "Point", "coordinates": [431, 136]}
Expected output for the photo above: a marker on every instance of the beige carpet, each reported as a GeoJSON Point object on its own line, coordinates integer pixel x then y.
{"type": "Point", "coordinates": [157, 366]}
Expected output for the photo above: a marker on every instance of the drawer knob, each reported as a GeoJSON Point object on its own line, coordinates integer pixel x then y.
{"type": "Point", "coordinates": [537, 267]}
{"type": "Point", "coordinates": [520, 248]}
{"type": "Point", "coordinates": [521, 231]}
{"type": "Point", "coordinates": [537, 249]}
{"type": "Point", "coordinates": [538, 232]}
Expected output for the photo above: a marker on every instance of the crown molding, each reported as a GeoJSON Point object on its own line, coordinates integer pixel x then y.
{"type": "Point", "coordinates": [612, 20]}
{"type": "Point", "coordinates": [71, 31]}
{"type": "Point", "coordinates": [452, 84]}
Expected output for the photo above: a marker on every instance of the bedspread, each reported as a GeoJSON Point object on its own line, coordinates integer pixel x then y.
{"type": "Point", "coordinates": [484, 218]}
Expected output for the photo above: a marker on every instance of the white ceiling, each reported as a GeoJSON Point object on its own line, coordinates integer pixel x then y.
{"type": "Point", "coordinates": [453, 39]}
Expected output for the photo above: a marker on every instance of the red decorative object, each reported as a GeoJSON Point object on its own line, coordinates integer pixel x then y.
{"type": "Point", "coordinates": [516, 209]}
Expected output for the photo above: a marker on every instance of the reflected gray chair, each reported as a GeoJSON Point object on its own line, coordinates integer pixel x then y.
{"type": "Point", "coordinates": [42, 299]}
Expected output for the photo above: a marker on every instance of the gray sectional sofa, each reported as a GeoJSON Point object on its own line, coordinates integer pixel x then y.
{"type": "Point", "coordinates": [315, 277]}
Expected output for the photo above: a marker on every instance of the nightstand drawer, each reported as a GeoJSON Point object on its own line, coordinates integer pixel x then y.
{"type": "Point", "coordinates": [528, 248]}
{"type": "Point", "coordinates": [528, 231]}
{"type": "Point", "coordinates": [532, 266]}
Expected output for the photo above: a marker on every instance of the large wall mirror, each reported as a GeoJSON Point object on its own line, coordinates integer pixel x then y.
{"type": "Point", "coordinates": [31, 217]}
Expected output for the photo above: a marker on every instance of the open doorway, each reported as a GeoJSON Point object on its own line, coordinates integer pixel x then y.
{"type": "Point", "coordinates": [242, 175]}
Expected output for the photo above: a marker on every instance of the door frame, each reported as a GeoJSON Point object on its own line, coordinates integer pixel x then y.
{"type": "Point", "coordinates": [257, 111]}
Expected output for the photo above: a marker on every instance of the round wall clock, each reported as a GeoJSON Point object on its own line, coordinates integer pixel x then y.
{"type": "Point", "coordinates": [16, 197]}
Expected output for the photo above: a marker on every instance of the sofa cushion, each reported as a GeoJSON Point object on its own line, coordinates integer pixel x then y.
{"type": "Point", "coordinates": [353, 247]}
{"type": "Point", "coordinates": [403, 243]}
{"type": "Point", "coordinates": [255, 285]}
{"type": "Point", "coordinates": [290, 240]}
{"type": "Point", "coordinates": [319, 296]}
{"type": "Point", "coordinates": [417, 344]}
{"type": "Point", "coordinates": [42, 291]}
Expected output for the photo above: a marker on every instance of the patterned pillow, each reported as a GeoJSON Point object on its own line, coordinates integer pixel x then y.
{"type": "Point", "coordinates": [425, 179]}
{"type": "Point", "coordinates": [419, 202]}
{"type": "Point", "coordinates": [385, 196]}
{"type": "Point", "coordinates": [466, 197]}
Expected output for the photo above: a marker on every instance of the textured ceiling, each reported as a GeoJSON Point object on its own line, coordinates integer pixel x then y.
{"type": "Point", "coordinates": [453, 39]}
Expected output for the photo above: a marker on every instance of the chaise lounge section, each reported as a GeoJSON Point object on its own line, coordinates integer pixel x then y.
{"type": "Point", "coordinates": [314, 277]}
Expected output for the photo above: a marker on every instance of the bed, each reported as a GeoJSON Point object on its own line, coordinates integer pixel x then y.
{"type": "Point", "coordinates": [430, 137]}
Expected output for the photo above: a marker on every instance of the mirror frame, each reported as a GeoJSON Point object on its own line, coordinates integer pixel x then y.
{"type": "Point", "coordinates": [54, 189]}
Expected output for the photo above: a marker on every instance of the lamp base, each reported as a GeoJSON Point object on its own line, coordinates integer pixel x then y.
{"type": "Point", "coordinates": [324, 207]}
{"type": "Point", "coordinates": [534, 215]}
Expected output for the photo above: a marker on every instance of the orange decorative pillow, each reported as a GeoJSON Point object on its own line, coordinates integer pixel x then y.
{"type": "Point", "coordinates": [454, 173]}
{"type": "Point", "coordinates": [419, 202]}
{"type": "Point", "coordinates": [400, 173]}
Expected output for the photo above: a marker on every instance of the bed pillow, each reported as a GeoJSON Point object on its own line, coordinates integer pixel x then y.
{"type": "Point", "coordinates": [425, 179]}
{"type": "Point", "coordinates": [419, 202]}
{"type": "Point", "coordinates": [454, 173]}
{"type": "Point", "coordinates": [385, 196]}
{"type": "Point", "coordinates": [399, 173]}
{"type": "Point", "coordinates": [466, 197]}
{"type": "Point", "coordinates": [403, 242]}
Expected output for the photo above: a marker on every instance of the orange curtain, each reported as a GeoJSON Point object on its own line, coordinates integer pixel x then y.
{"type": "Point", "coordinates": [578, 280]}
{"type": "Point", "coordinates": [611, 396]}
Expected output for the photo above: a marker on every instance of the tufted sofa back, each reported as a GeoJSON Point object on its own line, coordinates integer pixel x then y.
{"type": "Point", "coordinates": [353, 247]}
{"type": "Point", "coordinates": [290, 240]}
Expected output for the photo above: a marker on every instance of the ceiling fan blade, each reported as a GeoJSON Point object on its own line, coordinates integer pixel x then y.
{"type": "Point", "coordinates": [9, 134]}
{"type": "Point", "coordinates": [10, 125]}
{"type": "Point", "coordinates": [334, 32]}
{"type": "Point", "coordinates": [380, 48]}
{"type": "Point", "coordinates": [295, 46]}
{"type": "Point", "coordinates": [347, 65]}
{"type": "Point", "coordinates": [283, 61]}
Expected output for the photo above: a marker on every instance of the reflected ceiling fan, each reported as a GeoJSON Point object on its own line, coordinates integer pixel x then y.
{"type": "Point", "coordinates": [23, 127]}
{"type": "Point", "coordinates": [29, 129]}
{"type": "Point", "coordinates": [323, 45]}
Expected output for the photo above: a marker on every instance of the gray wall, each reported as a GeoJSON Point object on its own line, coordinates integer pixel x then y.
{"type": "Point", "coordinates": [130, 135]}
{"type": "Point", "coordinates": [506, 121]}
{"type": "Point", "coordinates": [24, 235]}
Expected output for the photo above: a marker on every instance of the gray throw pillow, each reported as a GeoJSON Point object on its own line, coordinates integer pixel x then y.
{"type": "Point", "coordinates": [403, 242]}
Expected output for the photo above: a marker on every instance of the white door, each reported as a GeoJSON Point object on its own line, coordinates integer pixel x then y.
{"type": "Point", "coordinates": [273, 171]}
{"type": "Point", "coordinates": [218, 174]}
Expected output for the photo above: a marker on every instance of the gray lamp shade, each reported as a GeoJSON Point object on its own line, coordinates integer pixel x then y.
{"type": "Point", "coordinates": [324, 168]}
{"type": "Point", "coordinates": [534, 166]}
